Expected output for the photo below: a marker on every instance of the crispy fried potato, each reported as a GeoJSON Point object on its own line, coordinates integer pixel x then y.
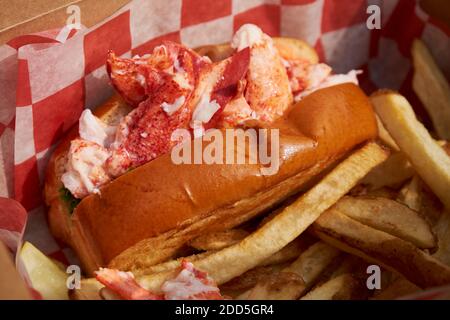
{"type": "Point", "coordinates": [291, 251]}
{"type": "Point", "coordinates": [343, 287]}
{"type": "Point", "coordinates": [170, 265]}
{"type": "Point", "coordinates": [396, 289]}
{"type": "Point", "coordinates": [427, 157]}
{"type": "Point", "coordinates": [89, 290]}
{"type": "Point", "coordinates": [391, 173]}
{"type": "Point", "coordinates": [248, 279]}
{"type": "Point", "coordinates": [389, 216]}
{"type": "Point", "coordinates": [313, 262]}
{"type": "Point", "coordinates": [442, 230]}
{"type": "Point", "coordinates": [289, 48]}
{"type": "Point", "coordinates": [349, 264]}
{"type": "Point", "coordinates": [218, 240]}
{"type": "Point", "coordinates": [384, 192]}
{"type": "Point", "coordinates": [432, 88]}
{"type": "Point", "coordinates": [230, 262]}
{"type": "Point", "coordinates": [308, 267]}
{"type": "Point", "coordinates": [384, 136]}
{"type": "Point", "coordinates": [382, 248]}
{"type": "Point", "coordinates": [410, 194]}
{"type": "Point", "coordinates": [280, 286]}
{"type": "Point", "coordinates": [417, 196]}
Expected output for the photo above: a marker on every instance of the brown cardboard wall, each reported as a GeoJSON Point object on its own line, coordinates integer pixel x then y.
{"type": "Point", "coordinates": [18, 17]}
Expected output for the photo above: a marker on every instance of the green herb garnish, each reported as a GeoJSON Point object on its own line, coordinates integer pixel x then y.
{"type": "Point", "coordinates": [68, 198]}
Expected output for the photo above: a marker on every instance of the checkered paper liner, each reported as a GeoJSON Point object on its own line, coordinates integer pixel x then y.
{"type": "Point", "coordinates": [47, 83]}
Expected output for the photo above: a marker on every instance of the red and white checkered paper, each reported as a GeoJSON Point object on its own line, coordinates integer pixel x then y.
{"type": "Point", "coordinates": [46, 84]}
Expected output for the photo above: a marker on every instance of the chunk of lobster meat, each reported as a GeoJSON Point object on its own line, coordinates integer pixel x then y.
{"type": "Point", "coordinates": [124, 285]}
{"type": "Point", "coordinates": [222, 85]}
{"type": "Point", "coordinates": [145, 134]}
{"type": "Point", "coordinates": [85, 171]}
{"type": "Point", "coordinates": [126, 77]}
{"type": "Point", "coordinates": [303, 75]}
{"type": "Point", "coordinates": [237, 112]}
{"type": "Point", "coordinates": [191, 284]}
{"type": "Point", "coordinates": [268, 91]}
{"type": "Point", "coordinates": [135, 79]}
{"type": "Point", "coordinates": [331, 80]}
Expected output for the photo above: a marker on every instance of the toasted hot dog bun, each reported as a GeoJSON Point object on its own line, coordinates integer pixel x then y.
{"type": "Point", "coordinates": [289, 49]}
{"type": "Point", "coordinates": [147, 215]}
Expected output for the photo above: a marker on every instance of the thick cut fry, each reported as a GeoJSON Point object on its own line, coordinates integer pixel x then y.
{"type": "Point", "coordinates": [398, 288]}
{"type": "Point", "coordinates": [349, 264]}
{"type": "Point", "coordinates": [218, 240]}
{"type": "Point", "coordinates": [248, 279]}
{"type": "Point", "coordinates": [280, 286]}
{"type": "Point", "coordinates": [171, 264]}
{"type": "Point", "coordinates": [427, 157]}
{"type": "Point", "coordinates": [417, 196]}
{"type": "Point", "coordinates": [89, 290]}
{"type": "Point", "coordinates": [289, 252]}
{"type": "Point", "coordinates": [343, 287]}
{"type": "Point", "coordinates": [432, 88]}
{"type": "Point", "coordinates": [384, 136]}
{"type": "Point", "coordinates": [382, 248]}
{"type": "Point", "coordinates": [389, 216]}
{"type": "Point", "coordinates": [442, 230]}
{"type": "Point", "coordinates": [391, 173]}
{"type": "Point", "coordinates": [313, 262]}
{"type": "Point", "coordinates": [286, 226]}
{"type": "Point", "coordinates": [410, 194]}
{"type": "Point", "coordinates": [308, 267]}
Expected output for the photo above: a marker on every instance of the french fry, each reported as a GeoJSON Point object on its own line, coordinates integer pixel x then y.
{"type": "Point", "coordinates": [417, 196]}
{"type": "Point", "coordinates": [280, 286]}
{"type": "Point", "coordinates": [410, 194]}
{"type": "Point", "coordinates": [89, 290]}
{"type": "Point", "coordinates": [308, 267]}
{"type": "Point", "coordinates": [218, 240]}
{"type": "Point", "coordinates": [170, 265]}
{"type": "Point", "coordinates": [391, 173]}
{"type": "Point", "coordinates": [291, 251]}
{"type": "Point", "coordinates": [343, 287]}
{"type": "Point", "coordinates": [248, 279]}
{"type": "Point", "coordinates": [384, 136]}
{"type": "Point", "coordinates": [382, 248]}
{"type": "Point", "coordinates": [398, 288]}
{"type": "Point", "coordinates": [389, 216]}
{"type": "Point", "coordinates": [286, 226]}
{"type": "Point", "coordinates": [384, 192]}
{"type": "Point", "coordinates": [432, 88]}
{"type": "Point", "coordinates": [427, 157]}
{"type": "Point", "coordinates": [442, 230]}
{"type": "Point", "coordinates": [313, 262]}
{"type": "Point", "coordinates": [349, 264]}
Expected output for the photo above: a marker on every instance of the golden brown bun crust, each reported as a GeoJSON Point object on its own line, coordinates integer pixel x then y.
{"type": "Point", "coordinates": [153, 210]}
{"type": "Point", "coordinates": [289, 49]}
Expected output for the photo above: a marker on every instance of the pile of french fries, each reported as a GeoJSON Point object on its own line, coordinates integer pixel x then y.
{"type": "Point", "coordinates": [387, 205]}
